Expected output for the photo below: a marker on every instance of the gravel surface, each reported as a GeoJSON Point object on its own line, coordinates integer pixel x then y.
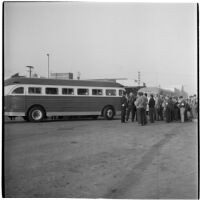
{"type": "Point", "coordinates": [100, 159]}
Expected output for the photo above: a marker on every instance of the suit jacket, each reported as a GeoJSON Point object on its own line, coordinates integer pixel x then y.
{"type": "Point", "coordinates": [151, 103]}
{"type": "Point", "coordinates": [123, 102]}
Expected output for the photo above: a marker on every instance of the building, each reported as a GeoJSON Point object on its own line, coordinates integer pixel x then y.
{"type": "Point", "coordinates": [68, 76]}
{"type": "Point", "coordinates": [178, 90]}
{"type": "Point", "coordinates": [169, 91]}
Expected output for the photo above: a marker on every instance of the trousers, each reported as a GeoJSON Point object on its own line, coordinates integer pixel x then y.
{"type": "Point", "coordinates": [132, 110]}
{"type": "Point", "coordinates": [141, 116]}
{"type": "Point", "coordinates": [182, 112]}
{"type": "Point", "coordinates": [151, 114]}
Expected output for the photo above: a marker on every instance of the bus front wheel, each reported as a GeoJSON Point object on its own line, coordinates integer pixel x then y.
{"type": "Point", "coordinates": [36, 114]}
{"type": "Point", "coordinates": [108, 113]}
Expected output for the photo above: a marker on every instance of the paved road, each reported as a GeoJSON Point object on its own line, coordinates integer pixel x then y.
{"type": "Point", "coordinates": [100, 159]}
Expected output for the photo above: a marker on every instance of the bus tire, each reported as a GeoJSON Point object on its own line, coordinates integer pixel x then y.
{"type": "Point", "coordinates": [36, 114]}
{"type": "Point", "coordinates": [108, 113]}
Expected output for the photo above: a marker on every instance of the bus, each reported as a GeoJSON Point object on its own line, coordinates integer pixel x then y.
{"type": "Point", "coordinates": [35, 99]}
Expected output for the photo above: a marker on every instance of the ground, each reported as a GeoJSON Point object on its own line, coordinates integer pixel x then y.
{"type": "Point", "coordinates": [100, 159]}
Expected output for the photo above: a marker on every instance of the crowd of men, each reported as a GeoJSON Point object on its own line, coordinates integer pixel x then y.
{"type": "Point", "coordinates": [157, 108]}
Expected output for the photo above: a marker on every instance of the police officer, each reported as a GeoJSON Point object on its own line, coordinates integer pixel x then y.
{"type": "Point", "coordinates": [123, 107]}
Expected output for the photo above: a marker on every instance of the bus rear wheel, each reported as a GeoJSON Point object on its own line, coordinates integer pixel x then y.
{"type": "Point", "coordinates": [36, 114]}
{"type": "Point", "coordinates": [108, 113]}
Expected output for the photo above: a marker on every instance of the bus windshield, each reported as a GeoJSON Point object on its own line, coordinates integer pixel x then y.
{"type": "Point", "coordinates": [7, 89]}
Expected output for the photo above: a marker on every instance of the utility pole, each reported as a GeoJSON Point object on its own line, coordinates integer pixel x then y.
{"type": "Point", "coordinates": [48, 64]}
{"type": "Point", "coordinates": [78, 75]}
{"type": "Point", "coordinates": [30, 70]}
{"type": "Point", "coordinates": [138, 78]}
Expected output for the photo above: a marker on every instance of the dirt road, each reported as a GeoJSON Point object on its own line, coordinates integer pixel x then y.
{"type": "Point", "coordinates": [101, 159]}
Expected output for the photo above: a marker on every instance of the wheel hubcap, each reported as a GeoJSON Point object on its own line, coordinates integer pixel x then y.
{"type": "Point", "coordinates": [109, 113]}
{"type": "Point", "coordinates": [36, 114]}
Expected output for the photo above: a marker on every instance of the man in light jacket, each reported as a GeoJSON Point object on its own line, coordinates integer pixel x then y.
{"type": "Point", "coordinates": [139, 103]}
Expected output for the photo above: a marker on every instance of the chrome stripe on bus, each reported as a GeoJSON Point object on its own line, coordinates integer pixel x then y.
{"type": "Point", "coordinates": [72, 113]}
{"type": "Point", "coordinates": [20, 114]}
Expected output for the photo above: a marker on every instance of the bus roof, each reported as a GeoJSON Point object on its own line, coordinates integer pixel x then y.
{"type": "Point", "coordinates": [45, 81]}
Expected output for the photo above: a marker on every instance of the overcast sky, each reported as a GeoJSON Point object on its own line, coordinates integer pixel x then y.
{"type": "Point", "coordinates": [104, 40]}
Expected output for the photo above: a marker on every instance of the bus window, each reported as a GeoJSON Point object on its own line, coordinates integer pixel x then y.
{"type": "Point", "coordinates": [19, 90]}
{"type": "Point", "coordinates": [110, 92]}
{"type": "Point", "coordinates": [97, 92]}
{"type": "Point", "coordinates": [34, 90]}
{"type": "Point", "coordinates": [121, 92]}
{"type": "Point", "coordinates": [83, 91]}
{"type": "Point", "coordinates": [51, 90]}
{"type": "Point", "coordinates": [68, 91]}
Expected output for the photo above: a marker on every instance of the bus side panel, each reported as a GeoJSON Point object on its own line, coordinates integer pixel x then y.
{"type": "Point", "coordinates": [6, 104]}
{"type": "Point", "coordinates": [15, 104]}
{"type": "Point", "coordinates": [73, 104]}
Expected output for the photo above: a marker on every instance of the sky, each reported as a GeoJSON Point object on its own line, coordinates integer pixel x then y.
{"type": "Point", "coordinates": [104, 40]}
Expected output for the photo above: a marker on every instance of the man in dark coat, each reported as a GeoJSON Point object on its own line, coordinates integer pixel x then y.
{"type": "Point", "coordinates": [123, 107]}
{"type": "Point", "coordinates": [131, 107]}
{"type": "Point", "coordinates": [169, 110]}
{"type": "Point", "coordinates": [159, 108]}
{"type": "Point", "coordinates": [145, 107]}
{"type": "Point", "coordinates": [176, 110]}
{"type": "Point", "coordinates": [151, 109]}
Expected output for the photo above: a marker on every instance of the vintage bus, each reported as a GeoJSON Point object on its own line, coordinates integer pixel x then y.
{"type": "Point", "coordinates": [35, 99]}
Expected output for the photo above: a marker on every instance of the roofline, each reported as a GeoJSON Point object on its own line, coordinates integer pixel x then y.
{"type": "Point", "coordinates": [45, 81]}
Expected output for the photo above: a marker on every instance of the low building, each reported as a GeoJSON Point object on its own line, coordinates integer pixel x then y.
{"type": "Point", "coordinates": [178, 90]}
{"type": "Point", "coordinates": [68, 76]}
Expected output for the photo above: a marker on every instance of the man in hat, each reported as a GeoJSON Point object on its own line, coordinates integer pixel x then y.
{"type": "Point", "coordinates": [123, 107]}
{"type": "Point", "coordinates": [151, 109]}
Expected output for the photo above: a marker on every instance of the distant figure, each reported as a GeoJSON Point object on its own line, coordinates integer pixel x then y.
{"type": "Point", "coordinates": [182, 106]}
{"type": "Point", "coordinates": [145, 107]}
{"type": "Point", "coordinates": [123, 107]}
{"type": "Point", "coordinates": [159, 108]}
{"type": "Point", "coordinates": [188, 112]}
{"type": "Point", "coordinates": [169, 110]}
{"type": "Point", "coordinates": [131, 107]}
{"type": "Point", "coordinates": [176, 110]}
{"type": "Point", "coordinates": [151, 109]}
{"type": "Point", "coordinates": [139, 103]}
{"type": "Point", "coordinates": [194, 106]}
